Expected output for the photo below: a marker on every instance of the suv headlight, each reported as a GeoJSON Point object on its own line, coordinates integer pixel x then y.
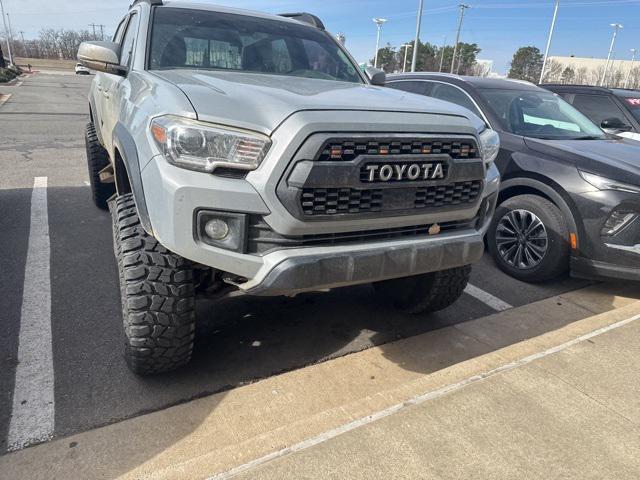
{"type": "Point", "coordinates": [603, 183]}
{"type": "Point", "coordinates": [205, 147]}
{"type": "Point", "coordinates": [489, 145]}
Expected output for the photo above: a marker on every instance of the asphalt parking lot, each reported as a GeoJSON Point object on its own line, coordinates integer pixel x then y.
{"type": "Point", "coordinates": [242, 339]}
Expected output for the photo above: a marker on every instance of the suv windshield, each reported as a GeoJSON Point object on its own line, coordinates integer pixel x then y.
{"type": "Point", "coordinates": [200, 39]}
{"type": "Point", "coordinates": [540, 115]}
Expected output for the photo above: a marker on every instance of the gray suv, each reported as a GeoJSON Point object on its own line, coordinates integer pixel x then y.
{"type": "Point", "coordinates": [245, 152]}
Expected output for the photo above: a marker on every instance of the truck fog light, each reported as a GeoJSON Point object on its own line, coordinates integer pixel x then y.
{"type": "Point", "coordinates": [221, 229]}
{"type": "Point", "coordinates": [617, 221]}
{"type": "Point", "coordinates": [216, 229]}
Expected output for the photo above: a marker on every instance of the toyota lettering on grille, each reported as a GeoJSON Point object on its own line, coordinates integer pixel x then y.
{"type": "Point", "coordinates": [403, 172]}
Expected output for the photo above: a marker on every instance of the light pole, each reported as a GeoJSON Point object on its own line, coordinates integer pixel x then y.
{"type": "Point", "coordinates": [616, 29]}
{"type": "Point", "coordinates": [463, 7]}
{"type": "Point", "coordinates": [633, 59]}
{"type": "Point", "coordinates": [416, 42]}
{"type": "Point", "coordinates": [10, 31]}
{"type": "Point", "coordinates": [4, 22]}
{"type": "Point", "coordinates": [406, 50]}
{"type": "Point", "coordinates": [546, 52]}
{"type": "Point", "coordinates": [379, 22]}
{"type": "Point", "coordinates": [444, 45]}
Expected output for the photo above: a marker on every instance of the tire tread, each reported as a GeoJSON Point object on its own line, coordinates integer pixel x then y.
{"type": "Point", "coordinates": [158, 295]}
{"type": "Point", "coordinates": [97, 159]}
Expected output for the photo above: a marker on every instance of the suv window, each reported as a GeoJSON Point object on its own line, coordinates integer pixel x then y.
{"type": "Point", "coordinates": [409, 86]}
{"type": "Point", "coordinates": [448, 93]}
{"type": "Point", "coordinates": [185, 38]}
{"type": "Point", "coordinates": [126, 49]}
{"type": "Point", "coordinates": [634, 105]}
{"type": "Point", "coordinates": [598, 108]}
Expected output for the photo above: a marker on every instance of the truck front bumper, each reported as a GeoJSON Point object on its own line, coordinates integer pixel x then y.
{"type": "Point", "coordinates": [289, 272]}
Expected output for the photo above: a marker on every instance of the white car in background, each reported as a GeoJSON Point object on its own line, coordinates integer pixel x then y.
{"type": "Point", "coordinates": [82, 70]}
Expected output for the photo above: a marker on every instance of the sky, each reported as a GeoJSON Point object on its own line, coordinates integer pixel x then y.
{"type": "Point", "coordinates": [499, 27]}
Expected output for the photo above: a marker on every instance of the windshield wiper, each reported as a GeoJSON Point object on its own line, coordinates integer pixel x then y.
{"type": "Point", "coordinates": [588, 137]}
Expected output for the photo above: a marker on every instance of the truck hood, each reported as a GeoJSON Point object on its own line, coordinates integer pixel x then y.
{"type": "Point", "coordinates": [613, 158]}
{"type": "Point", "coordinates": [261, 102]}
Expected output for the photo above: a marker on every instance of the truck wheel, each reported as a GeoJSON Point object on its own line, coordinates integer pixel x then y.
{"type": "Point", "coordinates": [528, 239]}
{"type": "Point", "coordinates": [429, 292]}
{"type": "Point", "coordinates": [158, 295]}
{"type": "Point", "coordinates": [97, 159]}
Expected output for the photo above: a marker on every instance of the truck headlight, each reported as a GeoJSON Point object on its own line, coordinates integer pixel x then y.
{"type": "Point", "coordinates": [205, 147]}
{"type": "Point", "coordinates": [489, 145]}
{"type": "Point", "coordinates": [603, 183]}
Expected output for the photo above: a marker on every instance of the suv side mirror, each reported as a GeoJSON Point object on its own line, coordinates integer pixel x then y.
{"type": "Point", "coordinates": [615, 125]}
{"type": "Point", "coordinates": [376, 76]}
{"type": "Point", "coordinates": [101, 56]}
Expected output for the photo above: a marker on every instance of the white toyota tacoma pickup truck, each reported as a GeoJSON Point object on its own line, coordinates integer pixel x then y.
{"type": "Point", "coordinates": [243, 151]}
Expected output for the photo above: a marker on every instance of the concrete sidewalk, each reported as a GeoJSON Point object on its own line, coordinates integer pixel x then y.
{"type": "Point", "coordinates": [572, 414]}
{"type": "Point", "coordinates": [547, 390]}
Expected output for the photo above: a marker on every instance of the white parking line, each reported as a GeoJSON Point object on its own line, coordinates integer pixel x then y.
{"type": "Point", "coordinates": [487, 298]}
{"type": "Point", "coordinates": [32, 416]}
{"type": "Point", "coordinates": [417, 400]}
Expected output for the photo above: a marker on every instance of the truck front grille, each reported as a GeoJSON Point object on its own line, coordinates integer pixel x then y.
{"type": "Point", "coordinates": [454, 194]}
{"type": "Point", "coordinates": [347, 150]}
{"type": "Point", "coordinates": [330, 201]}
{"type": "Point", "coordinates": [363, 176]}
{"type": "Point", "coordinates": [335, 201]}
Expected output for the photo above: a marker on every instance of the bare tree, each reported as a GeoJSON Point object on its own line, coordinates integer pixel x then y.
{"type": "Point", "coordinates": [52, 43]}
{"type": "Point", "coordinates": [581, 76]}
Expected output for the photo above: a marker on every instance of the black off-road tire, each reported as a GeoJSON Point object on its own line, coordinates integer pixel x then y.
{"type": "Point", "coordinates": [425, 293]}
{"type": "Point", "coordinates": [97, 159]}
{"type": "Point", "coordinates": [158, 295]}
{"type": "Point", "coordinates": [556, 259]}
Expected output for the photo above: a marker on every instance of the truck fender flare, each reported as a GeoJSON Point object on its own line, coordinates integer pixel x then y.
{"type": "Point", "coordinates": [93, 113]}
{"type": "Point", "coordinates": [126, 147]}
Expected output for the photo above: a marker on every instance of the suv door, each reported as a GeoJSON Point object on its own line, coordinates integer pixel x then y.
{"type": "Point", "coordinates": [112, 85]}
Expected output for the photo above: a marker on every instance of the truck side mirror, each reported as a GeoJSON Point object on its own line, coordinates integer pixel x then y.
{"type": "Point", "coordinates": [376, 76]}
{"type": "Point", "coordinates": [101, 56]}
{"type": "Point", "coordinates": [615, 125]}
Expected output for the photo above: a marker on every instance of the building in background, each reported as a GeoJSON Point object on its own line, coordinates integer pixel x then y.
{"type": "Point", "coordinates": [483, 68]}
{"type": "Point", "coordinates": [589, 71]}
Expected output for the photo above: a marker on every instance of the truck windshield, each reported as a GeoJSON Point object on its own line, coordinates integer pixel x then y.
{"type": "Point", "coordinates": [200, 39]}
{"type": "Point", "coordinates": [540, 114]}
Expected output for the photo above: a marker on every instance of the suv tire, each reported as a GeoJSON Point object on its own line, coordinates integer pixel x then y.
{"type": "Point", "coordinates": [97, 159]}
{"type": "Point", "coordinates": [425, 293]}
{"type": "Point", "coordinates": [554, 261]}
{"type": "Point", "coordinates": [158, 295]}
